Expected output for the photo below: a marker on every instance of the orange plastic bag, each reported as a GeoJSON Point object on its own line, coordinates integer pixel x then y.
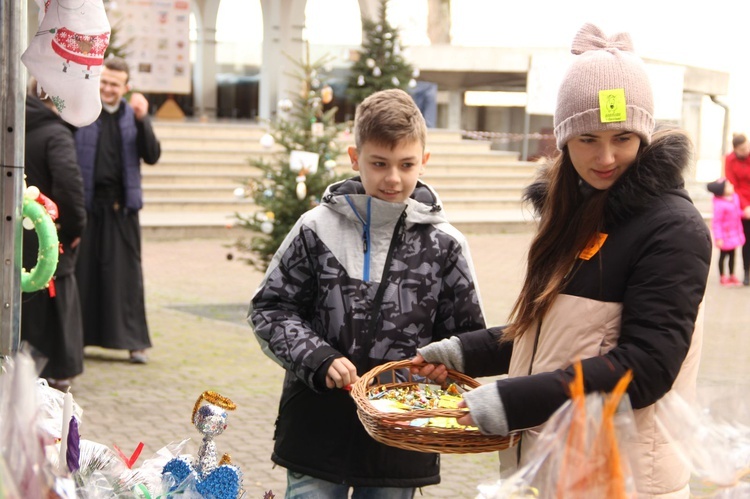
{"type": "Point", "coordinates": [578, 454]}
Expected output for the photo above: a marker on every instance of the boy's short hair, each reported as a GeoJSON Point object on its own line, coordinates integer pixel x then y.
{"type": "Point", "coordinates": [389, 117]}
{"type": "Point", "coordinates": [738, 139]}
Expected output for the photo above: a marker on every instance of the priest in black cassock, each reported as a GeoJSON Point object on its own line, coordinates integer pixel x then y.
{"type": "Point", "coordinates": [109, 272]}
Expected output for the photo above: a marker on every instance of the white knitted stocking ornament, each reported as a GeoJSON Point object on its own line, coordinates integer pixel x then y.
{"type": "Point", "coordinates": [66, 56]}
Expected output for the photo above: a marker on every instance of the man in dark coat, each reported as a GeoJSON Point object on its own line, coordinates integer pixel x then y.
{"type": "Point", "coordinates": [51, 317]}
{"type": "Point", "coordinates": [109, 271]}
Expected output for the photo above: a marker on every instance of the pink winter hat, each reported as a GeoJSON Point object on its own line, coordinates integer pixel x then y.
{"type": "Point", "coordinates": [606, 88]}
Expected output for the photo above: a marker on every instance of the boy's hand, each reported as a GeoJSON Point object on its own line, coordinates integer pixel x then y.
{"type": "Point", "coordinates": [435, 372]}
{"type": "Point", "coordinates": [341, 373]}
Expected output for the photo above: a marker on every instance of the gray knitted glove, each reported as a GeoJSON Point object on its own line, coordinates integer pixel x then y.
{"type": "Point", "coordinates": [448, 352]}
{"type": "Point", "coordinates": [487, 410]}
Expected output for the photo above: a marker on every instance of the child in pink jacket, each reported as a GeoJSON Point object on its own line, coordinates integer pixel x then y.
{"type": "Point", "coordinates": [726, 227]}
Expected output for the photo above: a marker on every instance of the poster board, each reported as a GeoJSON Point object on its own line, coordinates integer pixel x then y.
{"type": "Point", "coordinates": [156, 34]}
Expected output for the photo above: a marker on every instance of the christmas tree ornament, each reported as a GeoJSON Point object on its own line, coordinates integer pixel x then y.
{"type": "Point", "coordinates": [317, 129]}
{"type": "Point", "coordinates": [267, 141]}
{"type": "Point", "coordinates": [266, 227]}
{"type": "Point", "coordinates": [412, 83]}
{"type": "Point", "coordinates": [315, 83]}
{"type": "Point", "coordinates": [240, 193]}
{"type": "Point", "coordinates": [376, 71]}
{"type": "Point", "coordinates": [285, 105]}
{"type": "Point", "coordinates": [299, 160]}
{"type": "Point", "coordinates": [395, 81]}
{"type": "Point", "coordinates": [326, 94]}
{"type": "Point", "coordinates": [415, 73]}
{"type": "Point", "coordinates": [387, 35]}
{"type": "Point", "coordinates": [66, 56]}
{"type": "Point", "coordinates": [268, 193]}
{"type": "Point", "coordinates": [330, 164]}
{"type": "Point", "coordinates": [301, 189]}
{"type": "Point", "coordinates": [370, 62]}
{"type": "Point", "coordinates": [360, 80]}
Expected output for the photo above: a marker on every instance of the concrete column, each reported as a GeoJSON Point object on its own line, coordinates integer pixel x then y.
{"type": "Point", "coordinates": [204, 78]}
{"type": "Point", "coordinates": [369, 9]}
{"type": "Point", "coordinates": [455, 105]}
{"type": "Point", "coordinates": [283, 23]}
{"type": "Point", "coordinates": [205, 94]}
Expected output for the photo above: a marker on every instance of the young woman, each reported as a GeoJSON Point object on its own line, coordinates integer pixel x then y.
{"type": "Point", "coordinates": [616, 272]}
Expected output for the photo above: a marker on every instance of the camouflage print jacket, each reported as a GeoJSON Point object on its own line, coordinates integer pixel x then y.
{"type": "Point", "coordinates": [373, 281]}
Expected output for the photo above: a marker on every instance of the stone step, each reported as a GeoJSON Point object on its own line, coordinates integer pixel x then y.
{"type": "Point", "coordinates": [168, 129]}
{"type": "Point", "coordinates": [242, 166]}
{"type": "Point", "coordinates": [227, 191]}
{"type": "Point", "coordinates": [253, 146]}
{"type": "Point", "coordinates": [201, 224]}
{"type": "Point", "coordinates": [245, 154]}
{"type": "Point", "coordinates": [437, 179]}
{"type": "Point", "coordinates": [230, 204]}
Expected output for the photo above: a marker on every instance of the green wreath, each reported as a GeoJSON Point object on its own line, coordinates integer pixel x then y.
{"type": "Point", "coordinates": [46, 263]}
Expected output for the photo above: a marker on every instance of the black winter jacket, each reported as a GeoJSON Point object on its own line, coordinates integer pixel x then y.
{"type": "Point", "coordinates": [372, 281]}
{"type": "Point", "coordinates": [52, 167]}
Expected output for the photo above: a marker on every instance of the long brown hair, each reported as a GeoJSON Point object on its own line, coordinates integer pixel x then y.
{"type": "Point", "coordinates": [569, 218]}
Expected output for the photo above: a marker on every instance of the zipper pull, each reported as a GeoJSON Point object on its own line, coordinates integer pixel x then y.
{"type": "Point", "coordinates": [364, 241]}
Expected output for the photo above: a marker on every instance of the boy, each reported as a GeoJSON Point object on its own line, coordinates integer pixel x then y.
{"type": "Point", "coordinates": [368, 276]}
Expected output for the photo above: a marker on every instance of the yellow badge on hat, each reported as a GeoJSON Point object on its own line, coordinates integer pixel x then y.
{"type": "Point", "coordinates": [612, 105]}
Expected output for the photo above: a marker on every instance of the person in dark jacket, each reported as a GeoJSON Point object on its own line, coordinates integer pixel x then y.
{"type": "Point", "coordinates": [616, 273]}
{"type": "Point", "coordinates": [109, 270]}
{"type": "Point", "coordinates": [51, 318]}
{"type": "Point", "coordinates": [367, 277]}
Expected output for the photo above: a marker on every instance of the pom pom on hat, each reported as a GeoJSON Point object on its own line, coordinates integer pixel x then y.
{"type": "Point", "coordinates": [605, 70]}
{"type": "Point", "coordinates": [717, 187]}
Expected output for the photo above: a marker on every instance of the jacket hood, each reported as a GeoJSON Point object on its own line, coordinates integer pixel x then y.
{"type": "Point", "coordinates": [658, 170]}
{"type": "Point", "coordinates": [423, 206]}
{"type": "Point", "coordinates": [37, 115]}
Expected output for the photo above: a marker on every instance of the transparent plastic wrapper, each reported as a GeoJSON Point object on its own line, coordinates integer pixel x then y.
{"type": "Point", "coordinates": [577, 455]}
{"type": "Point", "coordinates": [104, 475]}
{"type": "Point", "coordinates": [712, 436]}
{"type": "Point", "coordinates": [25, 471]}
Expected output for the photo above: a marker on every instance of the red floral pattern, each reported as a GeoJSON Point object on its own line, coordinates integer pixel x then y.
{"type": "Point", "coordinates": [87, 50]}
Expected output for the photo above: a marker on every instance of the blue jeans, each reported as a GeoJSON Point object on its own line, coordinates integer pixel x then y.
{"type": "Point", "coordinates": [299, 486]}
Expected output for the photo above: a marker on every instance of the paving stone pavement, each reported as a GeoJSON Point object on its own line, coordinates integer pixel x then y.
{"type": "Point", "coordinates": [196, 300]}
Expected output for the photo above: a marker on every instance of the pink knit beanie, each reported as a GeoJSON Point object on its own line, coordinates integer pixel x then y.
{"type": "Point", "coordinates": [606, 88]}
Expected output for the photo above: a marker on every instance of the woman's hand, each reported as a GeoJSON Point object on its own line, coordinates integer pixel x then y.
{"type": "Point", "coordinates": [435, 372]}
{"type": "Point", "coordinates": [465, 420]}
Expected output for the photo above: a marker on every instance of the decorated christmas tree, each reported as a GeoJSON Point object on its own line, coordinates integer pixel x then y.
{"type": "Point", "coordinates": [296, 177]}
{"type": "Point", "coordinates": [381, 63]}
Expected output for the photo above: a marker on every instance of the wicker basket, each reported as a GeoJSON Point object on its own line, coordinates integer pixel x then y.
{"type": "Point", "coordinates": [394, 429]}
